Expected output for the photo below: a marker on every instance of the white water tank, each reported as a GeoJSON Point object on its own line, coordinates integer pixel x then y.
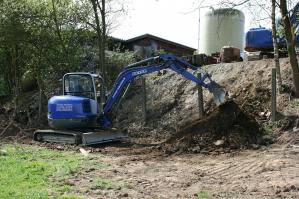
{"type": "Point", "coordinates": [221, 27]}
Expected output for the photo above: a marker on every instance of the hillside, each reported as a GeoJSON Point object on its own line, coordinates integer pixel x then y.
{"type": "Point", "coordinates": [172, 101]}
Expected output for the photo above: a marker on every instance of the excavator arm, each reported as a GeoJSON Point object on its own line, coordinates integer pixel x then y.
{"type": "Point", "coordinates": [154, 64]}
{"type": "Point", "coordinates": [294, 17]}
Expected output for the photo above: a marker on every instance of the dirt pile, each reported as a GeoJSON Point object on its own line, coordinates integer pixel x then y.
{"type": "Point", "coordinates": [172, 104]}
{"type": "Point", "coordinates": [227, 126]}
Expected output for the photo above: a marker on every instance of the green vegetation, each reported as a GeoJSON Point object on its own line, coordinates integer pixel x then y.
{"type": "Point", "coordinates": [48, 38]}
{"type": "Point", "coordinates": [103, 183]}
{"type": "Point", "coordinates": [269, 127]}
{"type": "Point", "coordinates": [295, 102]}
{"type": "Point", "coordinates": [202, 195]}
{"type": "Point", "coordinates": [34, 172]}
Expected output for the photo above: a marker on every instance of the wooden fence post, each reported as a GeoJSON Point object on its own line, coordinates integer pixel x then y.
{"type": "Point", "coordinates": [144, 108]}
{"type": "Point", "coordinates": [273, 96]}
{"type": "Point", "coordinates": [200, 99]}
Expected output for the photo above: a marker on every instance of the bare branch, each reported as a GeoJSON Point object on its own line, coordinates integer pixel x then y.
{"type": "Point", "coordinates": [233, 5]}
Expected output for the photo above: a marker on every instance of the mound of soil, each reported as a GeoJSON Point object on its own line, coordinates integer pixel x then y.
{"type": "Point", "coordinates": [172, 104]}
{"type": "Point", "coordinates": [227, 126]}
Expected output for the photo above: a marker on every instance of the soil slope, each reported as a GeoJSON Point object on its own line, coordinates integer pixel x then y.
{"type": "Point", "coordinates": [172, 102]}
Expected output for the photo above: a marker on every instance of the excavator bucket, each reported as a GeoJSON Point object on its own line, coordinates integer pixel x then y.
{"type": "Point", "coordinates": [218, 93]}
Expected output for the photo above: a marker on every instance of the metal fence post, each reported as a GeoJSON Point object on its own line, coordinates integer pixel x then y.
{"type": "Point", "coordinates": [200, 99]}
{"type": "Point", "coordinates": [273, 96]}
{"type": "Point", "coordinates": [144, 108]}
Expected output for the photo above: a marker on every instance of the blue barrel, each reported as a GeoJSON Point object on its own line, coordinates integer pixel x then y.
{"type": "Point", "coordinates": [258, 39]}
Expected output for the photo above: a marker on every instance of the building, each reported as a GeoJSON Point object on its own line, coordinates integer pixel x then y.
{"type": "Point", "coordinates": [153, 43]}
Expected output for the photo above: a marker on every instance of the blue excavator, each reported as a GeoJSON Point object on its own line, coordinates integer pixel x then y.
{"type": "Point", "coordinates": [76, 117]}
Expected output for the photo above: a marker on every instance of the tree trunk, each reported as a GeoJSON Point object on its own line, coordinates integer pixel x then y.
{"type": "Point", "coordinates": [100, 47]}
{"type": "Point", "coordinates": [104, 29]}
{"type": "Point", "coordinates": [15, 65]}
{"type": "Point", "coordinates": [290, 45]}
{"type": "Point", "coordinates": [40, 96]}
{"type": "Point", "coordinates": [276, 52]}
{"type": "Point", "coordinates": [58, 32]}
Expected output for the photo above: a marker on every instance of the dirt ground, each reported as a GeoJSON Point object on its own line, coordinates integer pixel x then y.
{"type": "Point", "coordinates": [229, 158]}
{"type": "Point", "coordinates": [270, 172]}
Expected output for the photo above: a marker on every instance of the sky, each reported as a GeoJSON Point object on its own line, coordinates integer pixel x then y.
{"type": "Point", "coordinates": [175, 20]}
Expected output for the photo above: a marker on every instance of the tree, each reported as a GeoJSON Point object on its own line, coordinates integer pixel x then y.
{"type": "Point", "coordinates": [45, 38]}
{"type": "Point", "coordinates": [101, 35]}
{"type": "Point", "coordinates": [275, 44]}
{"type": "Point", "coordinates": [290, 38]}
{"type": "Point", "coordinates": [13, 37]}
{"type": "Point", "coordinates": [101, 13]}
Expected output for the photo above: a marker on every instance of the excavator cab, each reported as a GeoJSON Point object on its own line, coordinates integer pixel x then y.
{"type": "Point", "coordinates": [82, 85]}
{"type": "Point", "coordinates": [78, 106]}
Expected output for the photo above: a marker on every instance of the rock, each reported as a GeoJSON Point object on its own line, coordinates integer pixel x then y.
{"type": "Point", "coordinates": [59, 147]}
{"type": "Point", "coordinates": [196, 149]}
{"type": "Point", "coordinates": [295, 130]}
{"type": "Point", "coordinates": [84, 152]}
{"type": "Point", "coordinates": [255, 146]}
{"type": "Point", "coordinates": [286, 189]}
{"type": "Point", "coordinates": [125, 195]}
{"type": "Point", "coordinates": [219, 142]}
{"type": "Point", "coordinates": [261, 114]}
{"type": "Point", "coordinates": [293, 187]}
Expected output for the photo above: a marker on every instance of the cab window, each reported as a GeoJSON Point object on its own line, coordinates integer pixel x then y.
{"type": "Point", "coordinates": [79, 85]}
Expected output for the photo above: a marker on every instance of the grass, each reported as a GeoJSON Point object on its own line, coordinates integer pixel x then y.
{"type": "Point", "coordinates": [202, 195]}
{"type": "Point", "coordinates": [35, 172]}
{"type": "Point", "coordinates": [102, 183]}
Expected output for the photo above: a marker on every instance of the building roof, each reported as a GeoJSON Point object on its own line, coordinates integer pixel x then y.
{"type": "Point", "coordinates": [159, 39]}
{"type": "Point", "coordinates": [116, 39]}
